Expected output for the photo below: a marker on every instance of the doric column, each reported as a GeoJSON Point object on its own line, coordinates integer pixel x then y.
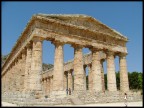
{"type": "Point", "coordinates": [9, 79]}
{"type": "Point", "coordinates": [78, 69]}
{"type": "Point", "coordinates": [12, 77]}
{"type": "Point", "coordinates": [18, 86]}
{"type": "Point", "coordinates": [6, 82]}
{"type": "Point", "coordinates": [124, 84]}
{"type": "Point", "coordinates": [65, 80]}
{"type": "Point", "coordinates": [51, 84]}
{"type": "Point", "coordinates": [28, 67]}
{"type": "Point", "coordinates": [23, 63]}
{"type": "Point", "coordinates": [16, 74]}
{"type": "Point", "coordinates": [102, 75]}
{"type": "Point", "coordinates": [89, 77]}
{"type": "Point", "coordinates": [58, 73]}
{"type": "Point", "coordinates": [85, 77]}
{"type": "Point", "coordinates": [96, 70]}
{"type": "Point", "coordinates": [45, 86]}
{"type": "Point", "coordinates": [111, 76]}
{"type": "Point", "coordinates": [36, 65]}
{"type": "Point", "coordinates": [48, 86]}
{"type": "Point", "coordinates": [70, 79]}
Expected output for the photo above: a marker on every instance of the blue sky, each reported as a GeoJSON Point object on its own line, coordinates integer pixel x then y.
{"type": "Point", "coordinates": [125, 17]}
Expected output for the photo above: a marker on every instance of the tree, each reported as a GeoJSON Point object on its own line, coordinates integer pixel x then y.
{"type": "Point", "coordinates": [135, 80]}
{"type": "Point", "coordinates": [105, 80]}
{"type": "Point", "coordinates": [118, 80]}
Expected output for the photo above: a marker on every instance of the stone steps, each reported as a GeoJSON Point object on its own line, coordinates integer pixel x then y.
{"type": "Point", "coordinates": [82, 98]}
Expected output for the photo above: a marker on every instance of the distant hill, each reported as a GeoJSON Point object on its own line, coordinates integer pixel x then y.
{"type": "Point", "coordinates": [45, 66]}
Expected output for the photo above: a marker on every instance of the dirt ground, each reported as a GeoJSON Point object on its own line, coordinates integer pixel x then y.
{"type": "Point", "coordinates": [140, 103]}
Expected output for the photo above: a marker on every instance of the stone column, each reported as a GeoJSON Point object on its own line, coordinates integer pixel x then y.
{"type": "Point", "coordinates": [23, 63]}
{"type": "Point", "coordinates": [18, 86]}
{"type": "Point", "coordinates": [102, 75]}
{"type": "Point", "coordinates": [96, 70]}
{"type": "Point", "coordinates": [45, 86]}
{"type": "Point", "coordinates": [70, 79]}
{"type": "Point", "coordinates": [28, 67]}
{"type": "Point", "coordinates": [58, 73]}
{"type": "Point", "coordinates": [10, 79]}
{"type": "Point", "coordinates": [13, 77]}
{"type": "Point", "coordinates": [85, 77]}
{"type": "Point", "coordinates": [124, 83]}
{"type": "Point", "coordinates": [51, 84]}
{"type": "Point", "coordinates": [48, 86]}
{"type": "Point", "coordinates": [90, 77]}
{"type": "Point", "coordinates": [78, 69]}
{"type": "Point", "coordinates": [16, 74]}
{"type": "Point", "coordinates": [14, 86]}
{"type": "Point", "coordinates": [36, 65]}
{"type": "Point", "coordinates": [111, 76]}
{"type": "Point", "coordinates": [6, 82]}
{"type": "Point", "coordinates": [65, 80]}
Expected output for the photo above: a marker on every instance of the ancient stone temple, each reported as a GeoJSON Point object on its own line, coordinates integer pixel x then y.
{"type": "Point", "coordinates": [22, 74]}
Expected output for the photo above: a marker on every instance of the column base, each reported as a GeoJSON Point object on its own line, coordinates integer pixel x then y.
{"type": "Point", "coordinates": [58, 94]}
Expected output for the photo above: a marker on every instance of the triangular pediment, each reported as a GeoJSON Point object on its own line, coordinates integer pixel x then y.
{"type": "Point", "coordinates": [83, 21]}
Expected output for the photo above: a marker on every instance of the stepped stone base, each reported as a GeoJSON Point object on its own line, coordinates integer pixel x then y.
{"type": "Point", "coordinates": [58, 94]}
{"type": "Point", "coordinates": [60, 98]}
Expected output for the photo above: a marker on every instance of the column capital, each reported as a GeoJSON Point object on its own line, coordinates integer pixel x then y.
{"type": "Point", "coordinates": [56, 43]}
{"type": "Point", "coordinates": [110, 52]}
{"type": "Point", "coordinates": [122, 54]}
{"type": "Point", "coordinates": [77, 46]}
{"type": "Point", "coordinates": [29, 45]}
{"type": "Point", "coordinates": [35, 39]}
{"type": "Point", "coordinates": [70, 71]}
{"type": "Point", "coordinates": [23, 51]}
{"type": "Point", "coordinates": [102, 60]}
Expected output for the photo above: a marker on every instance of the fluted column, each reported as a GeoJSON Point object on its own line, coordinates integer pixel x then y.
{"type": "Point", "coordinates": [23, 70]}
{"type": "Point", "coordinates": [111, 76]}
{"type": "Point", "coordinates": [58, 73]}
{"type": "Point", "coordinates": [36, 65]}
{"type": "Point", "coordinates": [48, 86]}
{"type": "Point", "coordinates": [89, 77]}
{"type": "Point", "coordinates": [102, 75]}
{"type": "Point", "coordinates": [70, 79]}
{"type": "Point", "coordinates": [45, 86]}
{"type": "Point", "coordinates": [51, 84]}
{"type": "Point", "coordinates": [65, 80]}
{"type": "Point", "coordinates": [78, 69]}
{"type": "Point", "coordinates": [96, 70]}
{"type": "Point", "coordinates": [18, 74]}
{"type": "Point", "coordinates": [8, 74]}
{"type": "Point", "coordinates": [28, 67]}
{"type": "Point", "coordinates": [10, 79]}
{"type": "Point", "coordinates": [124, 83]}
{"type": "Point", "coordinates": [85, 77]}
{"type": "Point", "coordinates": [14, 78]}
